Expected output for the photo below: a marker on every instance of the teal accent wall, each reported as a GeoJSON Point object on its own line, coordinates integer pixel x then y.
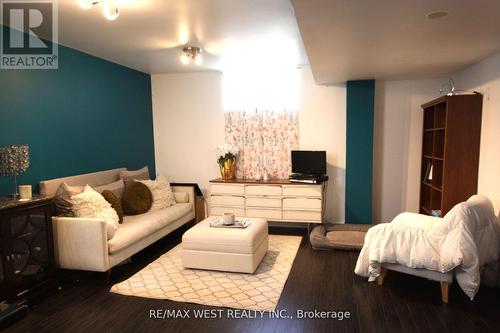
{"type": "Point", "coordinates": [89, 115]}
{"type": "Point", "coordinates": [359, 151]}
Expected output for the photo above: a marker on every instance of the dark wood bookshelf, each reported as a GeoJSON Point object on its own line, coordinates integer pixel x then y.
{"type": "Point", "coordinates": [425, 183]}
{"type": "Point", "coordinates": [450, 147]}
{"type": "Point", "coordinates": [424, 210]}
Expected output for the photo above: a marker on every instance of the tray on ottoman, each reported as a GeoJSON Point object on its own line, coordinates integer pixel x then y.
{"type": "Point", "coordinates": [225, 249]}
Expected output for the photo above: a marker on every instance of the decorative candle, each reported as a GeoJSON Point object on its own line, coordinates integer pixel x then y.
{"type": "Point", "coordinates": [228, 219]}
{"type": "Point", "coordinates": [24, 192]}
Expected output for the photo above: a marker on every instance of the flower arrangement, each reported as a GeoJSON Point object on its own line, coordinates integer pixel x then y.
{"type": "Point", "coordinates": [226, 158]}
{"type": "Point", "coordinates": [226, 151]}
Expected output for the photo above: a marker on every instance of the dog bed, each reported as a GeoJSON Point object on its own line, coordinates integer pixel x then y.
{"type": "Point", "coordinates": [339, 236]}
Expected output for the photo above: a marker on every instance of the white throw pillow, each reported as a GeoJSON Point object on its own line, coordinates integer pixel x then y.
{"type": "Point", "coordinates": [62, 199]}
{"type": "Point", "coordinates": [163, 196]}
{"type": "Point", "coordinates": [92, 204]}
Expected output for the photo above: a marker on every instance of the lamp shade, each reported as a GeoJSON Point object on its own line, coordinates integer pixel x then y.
{"type": "Point", "coordinates": [14, 160]}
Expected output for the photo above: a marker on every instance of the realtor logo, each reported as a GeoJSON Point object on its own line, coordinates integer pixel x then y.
{"type": "Point", "coordinates": [29, 34]}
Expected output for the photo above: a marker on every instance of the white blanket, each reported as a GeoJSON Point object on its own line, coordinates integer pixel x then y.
{"type": "Point", "coordinates": [464, 240]}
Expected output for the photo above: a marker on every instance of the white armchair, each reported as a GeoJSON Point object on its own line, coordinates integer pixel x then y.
{"type": "Point", "coordinates": [456, 247]}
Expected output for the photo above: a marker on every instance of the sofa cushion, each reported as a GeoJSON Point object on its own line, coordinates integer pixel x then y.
{"type": "Point", "coordinates": [137, 199]}
{"type": "Point", "coordinates": [129, 176]}
{"type": "Point", "coordinates": [134, 228]}
{"type": "Point", "coordinates": [116, 187]}
{"type": "Point", "coordinates": [181, 197]}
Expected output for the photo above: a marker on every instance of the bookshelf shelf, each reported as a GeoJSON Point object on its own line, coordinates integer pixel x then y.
{"type": "Point", "coordinates": [440, 189]}
{"type": "Point", "coordinates": [434, 129]}
{"type": "Point", "coordinates": [433, 157]}
{"type": "Point", "coordinates": [450, 151]}
{"type": "Point", "coordinates": [425, 210]}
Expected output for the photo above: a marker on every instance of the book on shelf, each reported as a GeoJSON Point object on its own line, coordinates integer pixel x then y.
{"type": "Point", "coordinates": [428, 172]}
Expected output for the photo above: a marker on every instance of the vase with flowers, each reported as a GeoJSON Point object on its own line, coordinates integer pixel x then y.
{"type": "Point", "coordinates": [226, 158]}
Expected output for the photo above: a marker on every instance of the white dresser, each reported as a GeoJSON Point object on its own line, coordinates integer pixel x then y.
{"type": "Point", "coordinates": [275, 200]}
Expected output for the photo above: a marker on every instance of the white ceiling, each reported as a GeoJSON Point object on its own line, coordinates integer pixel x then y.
{"type": "Point", "coordinates": [149, 34]}
{"type": "Point", "coordinates": [393, 39]}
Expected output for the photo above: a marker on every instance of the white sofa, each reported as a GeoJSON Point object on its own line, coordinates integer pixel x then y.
{"type": "Point", "coordinates": [82, 244]}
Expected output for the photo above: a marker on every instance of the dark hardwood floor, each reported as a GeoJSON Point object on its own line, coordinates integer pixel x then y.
{"type": "Point", "coordinates": [319, 280]}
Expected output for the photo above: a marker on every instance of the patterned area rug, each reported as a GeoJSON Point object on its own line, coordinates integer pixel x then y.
{"type": "Point", "coordinates": [165, 278]}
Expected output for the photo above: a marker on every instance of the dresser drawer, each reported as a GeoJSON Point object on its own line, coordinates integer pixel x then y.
{"type": "Point", "coordinates": [298, 215]}
{"type": "Point", "coordinates": [263, 190]}
{"type": "Point", "coordinates": [263, 202]}
{"type": "Point", "coordinates": [227, 200]}
{"type": "Point", "coordinates": [264, 213]}
{"type": "Point", "coordinates": [229, 189]}
{"type": "Point", "coordinates": [220, 210]}
{"type": "Point", "coordinates": [302, 204]}
{"type": "Point", "coordinates": [302, 191]}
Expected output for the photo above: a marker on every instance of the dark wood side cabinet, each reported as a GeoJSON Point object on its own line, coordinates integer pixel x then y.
{"type": "Point", "coordinates": [450, 152]}
{"type": "Point", "coordinates": [27, 264]}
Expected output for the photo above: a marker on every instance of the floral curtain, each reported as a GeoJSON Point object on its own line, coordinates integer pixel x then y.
{"type": "Point", "coordinates": [265, 139]}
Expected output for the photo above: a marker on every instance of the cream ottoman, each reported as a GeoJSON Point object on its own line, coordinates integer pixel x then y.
{"type": "Point", "coordinates": [225, 249]}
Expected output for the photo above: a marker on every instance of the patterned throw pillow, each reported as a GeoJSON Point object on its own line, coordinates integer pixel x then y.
{"type": "Point", "coordinates": [62, 199]}
{"type": "Point", "coordinates": [137, 199]}
{"type": "Point", "coordinates": [114, 202]}
{"type": "Point", "coordinates": [163, 196]}
{"type": "Point", "coordinates": [91, 204]}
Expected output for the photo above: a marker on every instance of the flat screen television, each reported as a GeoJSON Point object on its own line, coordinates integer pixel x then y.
{"type": "Point", "coordinates": [309, 162]}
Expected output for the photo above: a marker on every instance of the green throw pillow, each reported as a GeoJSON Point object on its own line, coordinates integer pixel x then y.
{"type": "Point", "coordinates": [137, 199]}
{"type": "Point", "coordinates": [115, 203]}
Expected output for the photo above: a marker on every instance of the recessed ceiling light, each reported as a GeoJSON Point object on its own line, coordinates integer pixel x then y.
{"type": "Point", "coordinates": [437, 15]}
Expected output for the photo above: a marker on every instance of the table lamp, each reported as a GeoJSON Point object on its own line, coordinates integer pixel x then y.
{"type": "Point", "coordinates": [14, 160]}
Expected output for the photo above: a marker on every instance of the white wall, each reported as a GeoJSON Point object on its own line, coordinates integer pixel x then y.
{"type": "Point", "coordinates": [398, 135]}
{"type": "Point", "coordinates": [322, 126]}
{"type": "Point", "coordinates": [397, 144]}
{"type": "Point", "coordinates": [484, 77]}
{"type": "Point", "coordinates": [189, 125]}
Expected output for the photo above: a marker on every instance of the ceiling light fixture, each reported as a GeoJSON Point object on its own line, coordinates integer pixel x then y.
{"type": "Point", "coordinates": [110, 11]}
{"type": "Point", "coordinates": [437, 14]}
{"type": "Point", "coordinates": [191, 53]}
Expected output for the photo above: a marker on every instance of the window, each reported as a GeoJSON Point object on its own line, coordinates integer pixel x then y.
{"type": "Point", "coordinates": [261, 98]}
{"type": "Point", "coordinates": [262, 75]}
